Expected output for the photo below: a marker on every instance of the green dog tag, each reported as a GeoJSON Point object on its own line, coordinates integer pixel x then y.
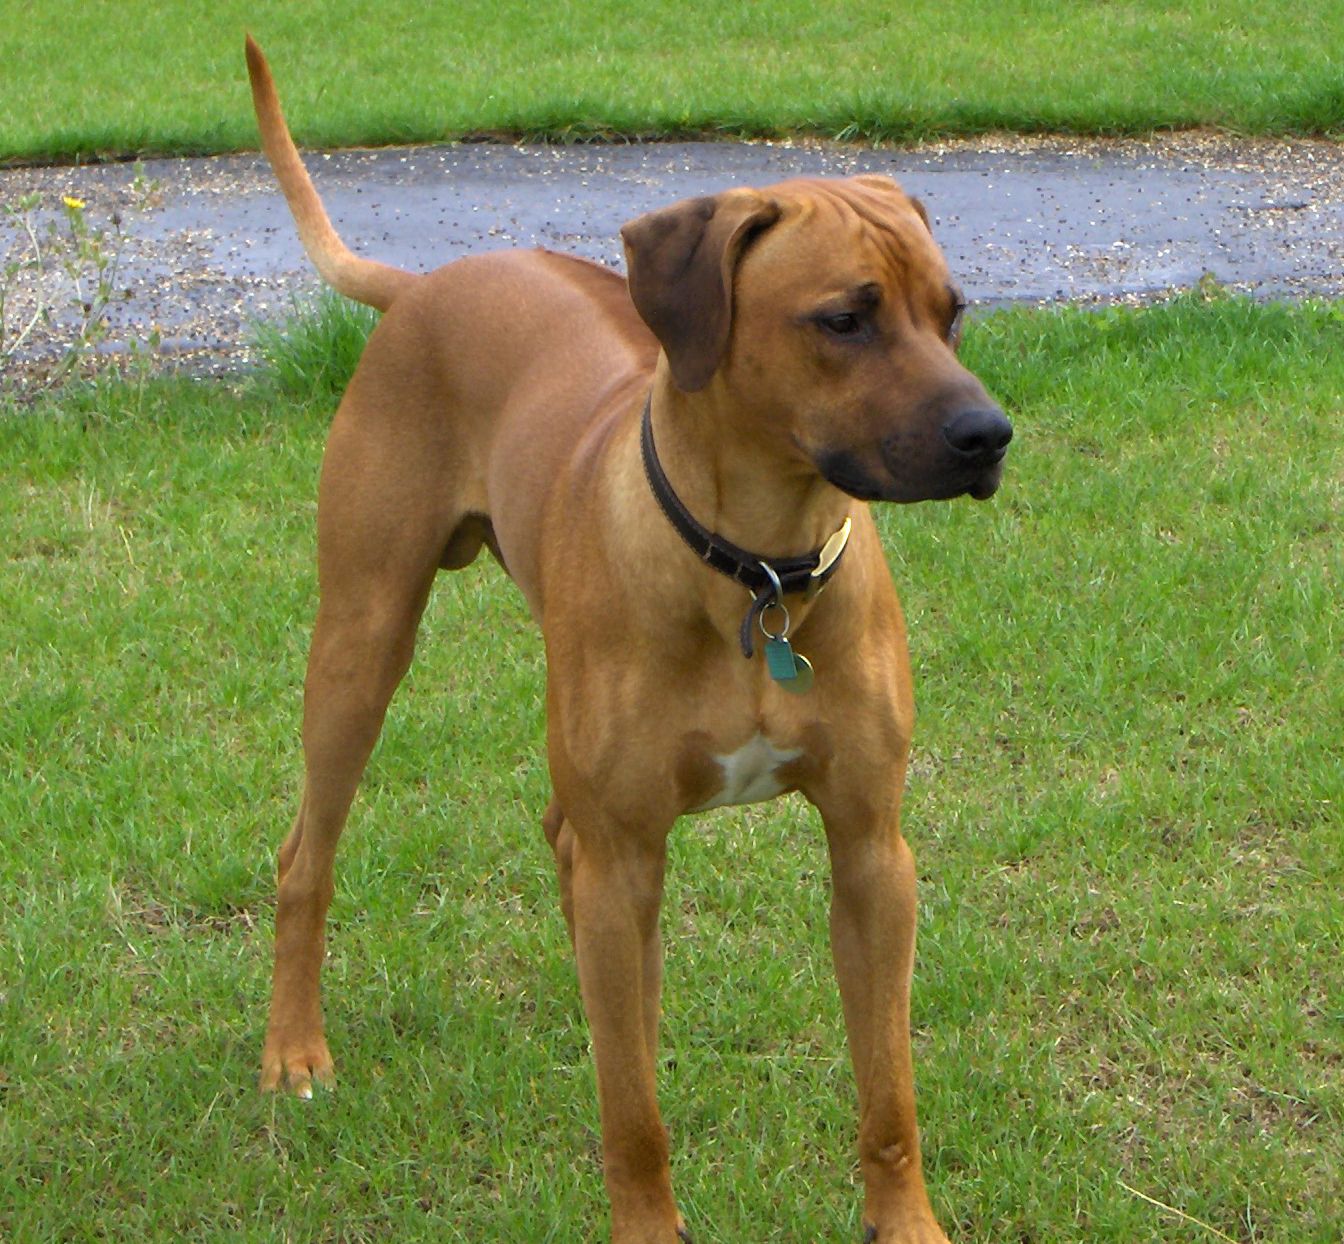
{"type": "Point", "coordinates": [779, 659]}
{"type": "Point", "coordinates": [791, 670]}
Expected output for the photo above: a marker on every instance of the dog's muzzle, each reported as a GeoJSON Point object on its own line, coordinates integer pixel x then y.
{"type": "Point", "coordinates": [979, 439]}
{"type": "Point", "coordinates": [961, 456]}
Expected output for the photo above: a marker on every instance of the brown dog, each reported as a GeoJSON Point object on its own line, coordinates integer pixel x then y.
{"type": "Point", "coordinates": [636, 456]}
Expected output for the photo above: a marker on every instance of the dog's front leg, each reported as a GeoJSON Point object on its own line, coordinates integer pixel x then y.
{"type": "Point", "coordinates": [616, 886]}
{"type": "Point", "coordinates": [873, 941]}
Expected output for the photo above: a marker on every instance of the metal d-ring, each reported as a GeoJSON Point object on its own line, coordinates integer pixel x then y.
{"type": "Point", "coordinates": [777, 603]}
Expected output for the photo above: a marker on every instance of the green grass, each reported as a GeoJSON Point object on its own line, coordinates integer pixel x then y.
{"type": "Point", "coordinates": [1126, 804]}
{"type": "Point", "coordinates": [87, 77]}
{"type": "Point", "coordinates": [311, 353]}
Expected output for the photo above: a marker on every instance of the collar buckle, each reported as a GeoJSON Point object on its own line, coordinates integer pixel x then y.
{"type": "Point", "coordinates": [767, 579]}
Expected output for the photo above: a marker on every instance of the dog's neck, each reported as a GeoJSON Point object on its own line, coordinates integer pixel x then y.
{"type": "Point", "coordinates": [754, 490]}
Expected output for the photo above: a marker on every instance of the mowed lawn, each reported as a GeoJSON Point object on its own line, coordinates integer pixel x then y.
{"type": "Point", "coordinates": [1126, 804]}
{"type": "Point", "coordinates": [88, 77]}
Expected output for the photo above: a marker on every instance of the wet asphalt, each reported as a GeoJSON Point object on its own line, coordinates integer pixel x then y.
{"type": "Point", "coordinates": [208, 245]}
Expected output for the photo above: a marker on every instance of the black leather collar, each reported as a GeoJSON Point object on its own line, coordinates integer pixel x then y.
{"type": "Point", "coordinates": [766, 578]}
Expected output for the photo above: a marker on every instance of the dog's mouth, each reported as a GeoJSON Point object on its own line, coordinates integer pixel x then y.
{"type": "Point", "coordinates": [987, 484]}
{"type": "Point", "coordinates": [844, 470]}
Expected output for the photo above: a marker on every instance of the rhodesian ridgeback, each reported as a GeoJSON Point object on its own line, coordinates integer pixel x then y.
{"type": "Point", "coordinates": [675, 469]}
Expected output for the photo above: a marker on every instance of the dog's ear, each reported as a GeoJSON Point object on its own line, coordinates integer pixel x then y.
{"type": "Point", "coordinates": [879, 181]}
{"type": "Point", "coordinates": [921, 212]}
{"type": "Point", "coordinates": [680, 262]}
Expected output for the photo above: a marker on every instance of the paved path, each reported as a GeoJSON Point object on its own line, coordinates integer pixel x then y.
{"type": "Point", "coordinates": [210, 244]}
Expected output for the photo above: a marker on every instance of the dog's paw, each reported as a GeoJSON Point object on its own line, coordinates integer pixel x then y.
{"type": "Point", "coordinates": [296, 1065]}
{"type": "Point", "coordinates": [918, 1233]}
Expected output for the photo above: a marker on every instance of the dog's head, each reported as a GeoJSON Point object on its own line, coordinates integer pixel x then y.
{"type": "Point", "coordinates": [826, 310]}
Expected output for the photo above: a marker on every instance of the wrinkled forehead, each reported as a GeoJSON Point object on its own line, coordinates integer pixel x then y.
{"type": "Point", "coordinates": [865, 228]}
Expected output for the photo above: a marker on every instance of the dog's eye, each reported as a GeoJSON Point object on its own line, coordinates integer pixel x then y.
{"type": "Point", "coordinates": [845, 324]}
{"type": "Point", "coordinates": [954, 328]}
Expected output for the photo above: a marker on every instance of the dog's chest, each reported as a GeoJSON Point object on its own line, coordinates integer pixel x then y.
{"type": "Point", "coordinates": [755, 771]}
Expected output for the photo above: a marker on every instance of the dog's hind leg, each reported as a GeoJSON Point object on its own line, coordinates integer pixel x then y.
{"type": "Point", "coordinates": [358, 658]}
{"type": "Point", "coordinates": [560, 834]}
{"type": "Point", "coordinates": [379, 545]}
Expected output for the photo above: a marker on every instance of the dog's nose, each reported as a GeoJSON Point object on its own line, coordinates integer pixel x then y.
{"type": "Point", "coordinates": [979, 436]}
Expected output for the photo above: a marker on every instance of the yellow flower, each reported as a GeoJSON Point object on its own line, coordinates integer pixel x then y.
{"type": "Point", "coordinates": [72, 203]}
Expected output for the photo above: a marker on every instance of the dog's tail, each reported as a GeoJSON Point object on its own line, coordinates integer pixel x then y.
{"type": "Point", "coordinates": [364, 280]}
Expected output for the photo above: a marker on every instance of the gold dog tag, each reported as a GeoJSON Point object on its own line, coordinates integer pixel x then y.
{"type": "Point", "coordinates": [801, 681]}
{"type": "Point", "coordinates": [826, 558]}
{"type": "Point", "coordinates": [832, 549]}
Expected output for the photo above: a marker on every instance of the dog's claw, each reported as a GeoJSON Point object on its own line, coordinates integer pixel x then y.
{"type": "Point", "coordinates": [917, 1232]}
{"type": "Point", "coordinates": [296, 1067]}
{"type": "Point", "coordinates": [301, 1080]}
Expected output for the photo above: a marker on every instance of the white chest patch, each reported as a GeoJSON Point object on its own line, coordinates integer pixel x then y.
{"type": "Point", "coordinates": [750, 774]}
